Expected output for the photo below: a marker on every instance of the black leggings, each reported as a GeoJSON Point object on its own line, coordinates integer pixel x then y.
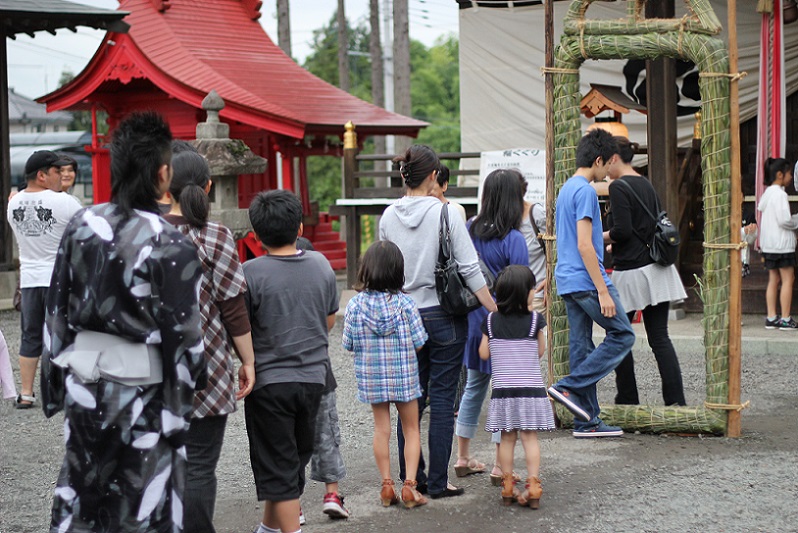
{"type": "Point", "coordinates": [655, 320]}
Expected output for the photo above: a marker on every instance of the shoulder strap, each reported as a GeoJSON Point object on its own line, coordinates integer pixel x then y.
{"type": "Point", "coordinates": [640, 200]}
{"type": "Point", "coordinates": [533, 325]}
{"type": "Point", "coordinates": [444, 235]}
{"type": "Point", "coordinates": [534, 225]}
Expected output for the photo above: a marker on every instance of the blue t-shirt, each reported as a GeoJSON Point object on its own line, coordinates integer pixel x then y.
{"type": "Point", "coordinates": [577, 200]}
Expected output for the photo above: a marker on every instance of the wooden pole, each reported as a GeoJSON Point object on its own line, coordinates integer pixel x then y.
{"type": "Point", "coordinates": [735, 273]}
{"type": "Point", "coordinates": [549, 85]}
{"type": "Point", "coordinates": [377, 71]}
{"type": "Point", "coordinates": [352, 222]}
{"type": "Point", "coordinates": [284, 26]}
{"type": "Point", "coordinates": [401, 68]}
{"type": "Point", "coordinates": [5, 159]}
{"type": "Point", "coordinates": [343, 49]}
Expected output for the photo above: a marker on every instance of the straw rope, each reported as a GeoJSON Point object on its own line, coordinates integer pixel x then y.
{"type": "Point", "coordinates": [726, 246]}
{"type": "Point", "coordinates": [728, 406]}
{"type": "Point", "coordinates": [737, 76]}
{"type": "Point", "coordinates": [555, 70]}
{"type": "Point", "coordinates": [691, 39]}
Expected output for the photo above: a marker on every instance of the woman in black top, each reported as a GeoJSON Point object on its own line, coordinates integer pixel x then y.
{"type": "Point", "coordinates": [641, 283]}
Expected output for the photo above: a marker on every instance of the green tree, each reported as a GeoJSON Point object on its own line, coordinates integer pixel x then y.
{"type": "Point", "coordinates": [81, 120]}
{"type": "Point", "coordinates": [435, 93]}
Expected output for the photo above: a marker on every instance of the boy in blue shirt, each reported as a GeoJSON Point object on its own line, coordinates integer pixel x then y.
{"type": "Point", "coordinates": [292, 299]}
{"type": "Point", "coordinates": [588, 293]}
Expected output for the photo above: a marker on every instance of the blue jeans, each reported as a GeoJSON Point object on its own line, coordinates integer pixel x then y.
{"type": "Point", "coordinates": [471, 405]}
{"type": "Point", "coordinates": [439, 363]}
{"type": "Point", "coordinates": [590, 363]}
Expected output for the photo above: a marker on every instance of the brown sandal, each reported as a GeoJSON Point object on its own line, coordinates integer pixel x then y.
{"type": "Point", "coordinates": [510, 492]}
{"type": "Point", "coordinates": [472, 466]}
{"type": "Point", "coordinates": [388, 495]}
{"type": "Point", "coordinates": [532, 493]}
{"type": "Point", "coordinates": [412, 497]}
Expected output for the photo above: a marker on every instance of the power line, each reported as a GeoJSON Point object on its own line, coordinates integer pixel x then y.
{"type": "Point", "coordinates": [37, 47]}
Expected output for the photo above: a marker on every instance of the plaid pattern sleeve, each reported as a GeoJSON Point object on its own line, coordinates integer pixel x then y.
{"type": "Point", "coordinates": [222, 279]}
{"type": "Point", "coordinates": [417, 332]}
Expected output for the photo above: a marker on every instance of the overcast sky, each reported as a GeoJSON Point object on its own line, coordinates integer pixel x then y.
{"type": "Point", "coordinates": [35, 65]}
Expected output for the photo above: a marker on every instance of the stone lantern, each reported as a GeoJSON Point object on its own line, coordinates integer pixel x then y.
{"type": "Point", "coordinates": [228, 158]}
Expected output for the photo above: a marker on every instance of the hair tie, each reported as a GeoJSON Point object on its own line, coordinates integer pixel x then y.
{"type": "Point", "coordinates": [404, 170]}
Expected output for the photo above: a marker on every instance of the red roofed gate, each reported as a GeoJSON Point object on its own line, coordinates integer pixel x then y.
{"type": "Point", "coordinates": [177, 51]}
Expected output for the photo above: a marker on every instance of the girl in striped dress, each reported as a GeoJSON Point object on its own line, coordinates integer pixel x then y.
{"type": "Point", "coordinates": [513, 340]}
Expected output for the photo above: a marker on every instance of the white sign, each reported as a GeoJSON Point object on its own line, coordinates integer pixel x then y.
{"type": "Point", "coordinates": [530, 163]}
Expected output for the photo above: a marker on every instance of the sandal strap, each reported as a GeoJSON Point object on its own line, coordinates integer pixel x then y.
{"type": "Point", "coordinates": [25, 398]}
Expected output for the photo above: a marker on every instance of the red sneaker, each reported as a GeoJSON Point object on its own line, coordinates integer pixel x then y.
{"type": "Point", "coordinates": [334, 506]}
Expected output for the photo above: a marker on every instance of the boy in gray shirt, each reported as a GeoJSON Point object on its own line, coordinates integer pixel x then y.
{"type": "Point", "coordinates": [292, 299]}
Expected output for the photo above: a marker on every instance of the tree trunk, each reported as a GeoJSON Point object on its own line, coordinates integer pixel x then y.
{"type": "Point", "coordinates": [401, 67]}
{"type": "Point", "coordinates": [284, 27]}
{"type": "Point", "coordinates": [343, 49]}
{"type": "Point", "coordinates": [377, 71]}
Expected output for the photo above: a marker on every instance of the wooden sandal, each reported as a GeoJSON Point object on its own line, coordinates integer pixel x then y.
{"type": "Point", "coordinates": [388, 495]}
{"type": "Point", "coordinates": [411, 497]}
{"type": "Point", "coordinates": [496, 479]}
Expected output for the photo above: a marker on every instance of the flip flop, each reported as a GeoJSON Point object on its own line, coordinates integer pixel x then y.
{"type": "Point", "coordinates": [25, 398]}
{"type": "Point", "coordinates": [472, 466]}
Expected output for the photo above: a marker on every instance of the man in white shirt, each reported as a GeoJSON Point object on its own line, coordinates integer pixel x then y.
{"type": "Point", "coordinates": [38, 215]}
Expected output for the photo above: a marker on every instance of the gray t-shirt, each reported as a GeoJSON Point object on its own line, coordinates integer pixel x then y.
{"type": "Point", "coordinates": [537, 256]}
{"type": "Point", "coordinates": [289, 299]}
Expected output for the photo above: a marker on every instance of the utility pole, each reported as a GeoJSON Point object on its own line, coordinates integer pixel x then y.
{"type": "Point", "coordinates": [284, 27]}
{"type": "Point", "coordinates": [401, 73]}
{"type": "Point", "coordinates": [343, 49]}
{"type": "Point", "coordinates": [377, 70]}
{"type": "Point", "coordinates": [387, 50]}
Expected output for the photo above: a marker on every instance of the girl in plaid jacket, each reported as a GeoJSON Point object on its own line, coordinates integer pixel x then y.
{"type": "Point", "coordinates": [384, 330]}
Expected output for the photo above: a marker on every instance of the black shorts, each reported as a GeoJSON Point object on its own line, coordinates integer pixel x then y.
{"type": "Point", "coordinates": [774, 261]}
{"type": "Point", "coordinates": [34, 300]}
{"type": "Point", "coordinates": [281, 421]}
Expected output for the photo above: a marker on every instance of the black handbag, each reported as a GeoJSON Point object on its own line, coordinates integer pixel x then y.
{"type": "Point", "coordinates": [664, 245]}
{"type": "Point", "coordinates": [453, 293]}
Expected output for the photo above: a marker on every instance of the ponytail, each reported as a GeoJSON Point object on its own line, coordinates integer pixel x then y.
{"type": "Point", "coordinates": [191, 176]}
{"type": "Point", "coordinates": [195, 205]}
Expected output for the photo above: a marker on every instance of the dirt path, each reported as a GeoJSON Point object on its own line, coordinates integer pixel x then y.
{"type": "Point", "coordinates": [639, 483]}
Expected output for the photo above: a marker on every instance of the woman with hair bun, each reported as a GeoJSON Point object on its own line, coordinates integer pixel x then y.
{"type": "Point", "coordinates": [223, 313]}
{"type": "Point", "coordinates": [412, 223]}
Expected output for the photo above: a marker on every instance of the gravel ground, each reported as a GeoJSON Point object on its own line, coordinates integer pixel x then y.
{"type": "Point", "coordinates": [639, 483]}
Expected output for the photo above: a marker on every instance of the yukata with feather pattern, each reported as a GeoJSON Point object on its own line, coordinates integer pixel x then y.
{"type": "Point", "coordinates": [134, 276]}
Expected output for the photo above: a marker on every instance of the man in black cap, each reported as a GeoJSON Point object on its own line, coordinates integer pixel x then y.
{"type": "Point", "coordinates": [38, 215]}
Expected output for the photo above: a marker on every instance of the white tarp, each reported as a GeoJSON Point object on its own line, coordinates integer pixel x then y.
{"type": "Point", "coordinates": [502, 91]}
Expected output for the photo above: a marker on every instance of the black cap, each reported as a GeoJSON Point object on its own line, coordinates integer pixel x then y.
{"type": "Point", "coordinates": [43, 159]}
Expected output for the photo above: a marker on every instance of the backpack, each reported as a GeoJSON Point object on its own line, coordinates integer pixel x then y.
{"type": "Point", "coordinates": [664, 245]}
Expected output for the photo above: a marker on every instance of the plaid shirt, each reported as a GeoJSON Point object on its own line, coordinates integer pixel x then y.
{"type": "Point", "coordinates": [222, 279]}
{"type": "Point", "coordinates": [384, 330]}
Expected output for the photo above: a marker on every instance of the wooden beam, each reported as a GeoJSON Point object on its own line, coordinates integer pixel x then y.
{"type": "Point", "coordinates": [662, 132]}
{"type": "Point", "coordinates": [5, 163]}
{"type": "Point", "coordinates": [733, 428]}
{"type": "Point", "coordinates": [549, 88]}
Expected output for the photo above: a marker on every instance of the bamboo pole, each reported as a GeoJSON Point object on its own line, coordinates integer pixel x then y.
{"type": "Point", "coordinates": [549, 85]}
{"type": "Point", "coordinates": [735, 274]}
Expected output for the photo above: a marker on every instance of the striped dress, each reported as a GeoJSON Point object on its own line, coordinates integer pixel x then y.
{"type": "Point", "coordinates": [519, 400]}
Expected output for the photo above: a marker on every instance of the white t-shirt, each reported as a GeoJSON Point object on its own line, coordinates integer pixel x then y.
{"type": "Point", "coordinates": [39, 220]}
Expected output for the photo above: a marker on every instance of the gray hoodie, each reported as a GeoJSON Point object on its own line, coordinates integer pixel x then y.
{"type": "Point", "coordinates": [412, 224]}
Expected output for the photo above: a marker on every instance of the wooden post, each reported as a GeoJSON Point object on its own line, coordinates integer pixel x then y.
{"type": "Point", "coordinates": [284, 26]}
{"type": "Point", "coordinates": [352, 221]}
{"type": "Point", "coordinates": [549, 85]}
{"type": "Point", "coordinates": [5, 163]}
{"type": "Point", "coordinates": [343, 49]}
{"type": "Point", "coordinates": [735, 272]}
{"type": "Point", "coordinates": [662, 128]}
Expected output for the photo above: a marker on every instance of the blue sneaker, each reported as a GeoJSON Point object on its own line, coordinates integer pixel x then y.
{"type": "Point", "coordinates": [599, 430]}
{"type": "Point", "coordinates": [564, 397]}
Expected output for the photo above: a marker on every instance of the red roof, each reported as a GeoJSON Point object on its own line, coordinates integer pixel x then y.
{"type": "Point", "coordinates": [192, 47]}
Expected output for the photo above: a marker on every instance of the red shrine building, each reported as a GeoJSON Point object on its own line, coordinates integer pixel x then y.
{"type": "Point", "coordinates": [177, 51]}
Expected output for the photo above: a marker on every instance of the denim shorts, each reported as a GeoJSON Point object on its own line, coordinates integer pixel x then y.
{"type": "Point", "coordinates": [774, 261]}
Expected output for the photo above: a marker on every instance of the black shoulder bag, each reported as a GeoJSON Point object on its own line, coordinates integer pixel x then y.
{"type": "Point", "coordinates": [453, 293]}
{"type": "Point", "coordinates": [664, 245]}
